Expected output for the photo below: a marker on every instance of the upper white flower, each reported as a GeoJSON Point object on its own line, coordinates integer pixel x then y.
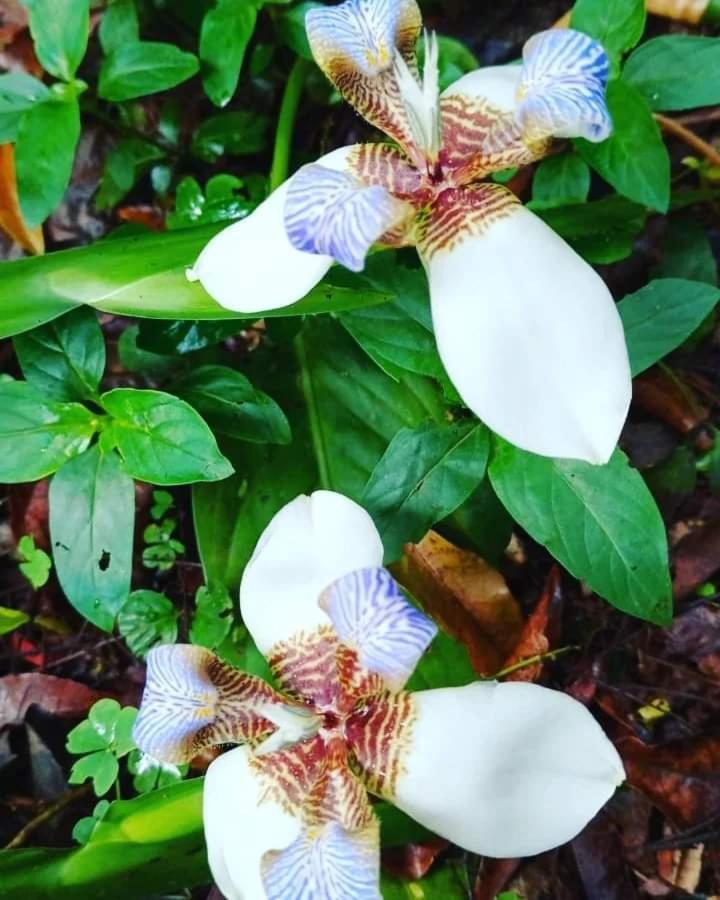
{"type": "Point", "coordinates": [501, 769]}
{"type": "Point", "coordinates": [528, 332]}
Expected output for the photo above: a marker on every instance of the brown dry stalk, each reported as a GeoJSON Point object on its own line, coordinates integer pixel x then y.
{"type": "Point", "coordinates": [67, 799]}
{"type": "Point", "coordinates": [678, 130]}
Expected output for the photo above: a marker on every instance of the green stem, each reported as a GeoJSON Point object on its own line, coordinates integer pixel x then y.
{"type": "Point", "coordinates": [533, 661]}
{"type": "Point", "coordinates": [286, 122]}
{"type": "Point", "coordinates": [311, 403]}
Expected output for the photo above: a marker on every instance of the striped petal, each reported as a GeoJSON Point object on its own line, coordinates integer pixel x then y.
{"type": "Point", "coordinates": [355, 45]}
{"type": "Point", "coordinates": [562, 91]}
{"type": "Point", "coordinates": [506, 770]}
{"type": "Point", "coordinates": [371, 616]}
{"type": "Point", "coordinates": [242, 824]}
{"type": "Point", "coordinates": [528, 332]}
{"type": "Point", "coordinates": [193, 700]}
{"type": "Point", "coordinates": [330, 213]}
{"type": "Point", "coordinates": [309, 543]}
{"type": "Point", "coordinates": [252, 266]}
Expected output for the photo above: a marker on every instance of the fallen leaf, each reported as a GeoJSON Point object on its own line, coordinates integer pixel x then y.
{"type": "Point", "coordinates": [666, 398]}
{"type": "Point", "coordinates": [599, 856]}
{"type": "Point", "coordinates": [696, 634]}
{"type": "Point", "coordinates": [410, 862]}
{"type": "Point", "coordinates": [148, 216]}
{"type": "Point", "coordinates": [13, 19]}
{"type": "Point", "coordinates": [467, 596]}
{"type": "Point", "coordinates": [534, 639]}
{"type": "Point", "coordinates": [29, 511]}
{"type": "Point", "coordinates": [493, 876]}
{"type": "Point", "coordinates": [695, 558]}
{"type": "Point", "coordinates": [681, 778]}
{"type": "Point", "coordinates": [11, 220]}
{"type": "Point", "coordinates": [59, 696]}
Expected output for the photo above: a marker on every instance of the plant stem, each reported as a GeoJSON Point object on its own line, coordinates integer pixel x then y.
{"type": "Point", "coordinates": [286, 122]}
{"type": "Point", "coordinates": [311, 402]}
{"type": "Point", "coordinates": [533, 661]}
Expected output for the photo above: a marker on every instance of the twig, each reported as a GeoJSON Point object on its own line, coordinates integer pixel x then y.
{"type": "Point", "coordinates": [534, 660]}
{"type": "Point", "coordinates": [67, 799]}
{"type": "Point", "coordinates": [678, 130]}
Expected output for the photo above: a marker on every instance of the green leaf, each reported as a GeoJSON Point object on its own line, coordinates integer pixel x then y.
{"type": "Point", "coordinates": [238, 133]}
{"type": "Point", "coordinates": [602, 231]}
{"type": "Point", "coordinates": [59, 30]}
{"type": "Point", "coordinates": [64, 359]}
{"type": "Point", "coordinates": [142, 275]}
{"type": "Point", "coordinates": [291, 28]}
{"type": "Point", "coordinates": [92, 513]}
{"type": "Point", "coordinates": [139, 68]}
{"type": "Point", "coordinates": [119, 25]}
{"type": "Point", "coordinates": [18, 93]}
{"type": "Point", "coordinates": [102, 767]}
{"type": "Point", "coordinates": [83, 829]}
{"type": "Point", "coordinates": [454, 60]}
{"type": "Point", "coordinates": [146, 619]}
{"type": "Point", "coordinates": [151, 773]}
{"type": "Point", "coordinates": [35, 566]}
{"type": "Point", "coordinates": [108, 726]}
{"type": "Point", "coordinates": [213, 619]}
{"type": "Point", "coordinates": [224, 37]}
{"type": "Point", "coordinates": [660, 316]}
{"type": "Point", "coordinates": [676, 71]}
{"type": "Point", "coordinates": [617, 24]}
{"type": "Point", "coordinates": [10, 619]}
{"type": "Point", "coordinates": [444, 882]}
{"type": "Point", "coordinates": [44, 153]}
{"type": "Point", "coordinates": [162, 439]}
{"type": "Point", "coordinates": [634, 159]}
{"type": "Point", "coordinates": [600, 522]}
{"type": "Point", "coordinates": [124, 165]}
{"type": "Point", "coordinates": [446, 663]}
{"type": "Point", "coordinates": [687, 252]}
{"type": "Point", "coordinates": [560, 180]}
{"type": "Point", "coordinates": [232, 406]}
{"type": "Point", "coordinates": [424, 475]}
{"type": "Point", "coordinates": [39, 436]}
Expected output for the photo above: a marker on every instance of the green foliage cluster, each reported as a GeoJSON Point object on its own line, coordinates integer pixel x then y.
{"type": "Point", "coordinates": [346, 391]}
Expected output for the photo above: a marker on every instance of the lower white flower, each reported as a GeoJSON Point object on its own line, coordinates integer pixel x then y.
{"type": "Point", "coordinates": [500, 769]}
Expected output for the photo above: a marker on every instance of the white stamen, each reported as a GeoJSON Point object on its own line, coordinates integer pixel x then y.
{"type": "Point", "coordinates": [422, 100]}
{"type": "Point", "coordinates": [294, 724]}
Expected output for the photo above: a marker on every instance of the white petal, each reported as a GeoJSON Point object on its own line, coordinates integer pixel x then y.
{"type": "Point", "coordinates": [239, 828]}
{"type": "Point", "coordinates": [310, 543]}
{"type": "Point", "coordinates": [506, 770]}
{"type": "Point", "coordinates": [251, 266]}
{"type": "Point", "coordinates": [531, 338]}
{"type": "Point", "coordinates": [496, 84]}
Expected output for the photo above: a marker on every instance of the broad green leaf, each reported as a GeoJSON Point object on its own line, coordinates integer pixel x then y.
{"type": "Point", "coordinates": [660, 316]}
{"type": "Point", "coordinates": [18, 92]}
{"type": "Point", "coordinates": [10, 619]}
{"type": "Point", "coordinates": [237, 133]}
{"type": "Point", "coordinates": [59, 30]}
{"type": "Point", "coordinates": [138, 68]}
{"type": "Point", "coordinates": [617, 24]}
{"type": "Point", "coordinates": [46, 140]}
{"type": "Point", "coordinates": [147, 618]}
{"type": "Point", "coordinates": [64, 359]}
{"type": "Point", "coordinates": [36, 564]}
{"type": "Point", "coordinates": [560, 180]}
{"type": "Point", "coordinates": [687, 252]}
{"type": "Point", "coordinates": [224, 200]}
{"type": "Point", "coordinates": [224, 37]}
{"type": "Point", "coordinates": [124, 165]}
{"type": "Point", "coordinates": [39, 436]}
{"type": "Point", "coordinates": [291, 28]}
{"type": "Point", "coordinates": [602, 231]}
{"type": "Point", "coordinates": [102, 767]}
{"type": "Point", "coordinates": [600, 522]}
{"type": "Point", "coordinates": [231, 405]}
{"type": "Point", "coordinates": [676, 71]}
{"type": "Point", "coordinates": [213, 618]}
{"type": "Point", "coordinates": [162, 439]}
{"type": "Point", "coordinates": [448, 881]}
{"type": "Point", "coordinates": [634, 159]}
{"type": "Point", "coordinates": [142, 275]}
{"type": "Point", "coordinates": [119, 25]}
{"type": "Point", "coordinates": [92, 514]}
{"type": "Point", "coordinates": [424, 475]}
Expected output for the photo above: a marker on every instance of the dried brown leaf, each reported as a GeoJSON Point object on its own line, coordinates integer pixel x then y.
{"type": "Point", "coordinates": [60, 696]}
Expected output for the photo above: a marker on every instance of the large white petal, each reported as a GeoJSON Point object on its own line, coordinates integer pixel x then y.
{"type": "Point", "coordinates": [251, 265]}
{"type": "Point", "coordinates": [506, 770]}
{"type": "Point", "coordinates": [531, 338]}
{"type": "Point", "coordinates": [496, 84]}
{"type": "Point", "coordinates": [241, 825]}
{"type": "Point", "coordinates": [310, 543]}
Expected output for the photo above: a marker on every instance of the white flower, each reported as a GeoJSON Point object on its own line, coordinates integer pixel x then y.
{"type": "Point", "coordinates": [500, 769]}
{"type": "Point", "coordinates": [528, 332]}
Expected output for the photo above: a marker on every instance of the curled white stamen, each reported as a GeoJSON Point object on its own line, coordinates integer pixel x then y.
{"type": "Point", "coordinates": [422, 99]}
